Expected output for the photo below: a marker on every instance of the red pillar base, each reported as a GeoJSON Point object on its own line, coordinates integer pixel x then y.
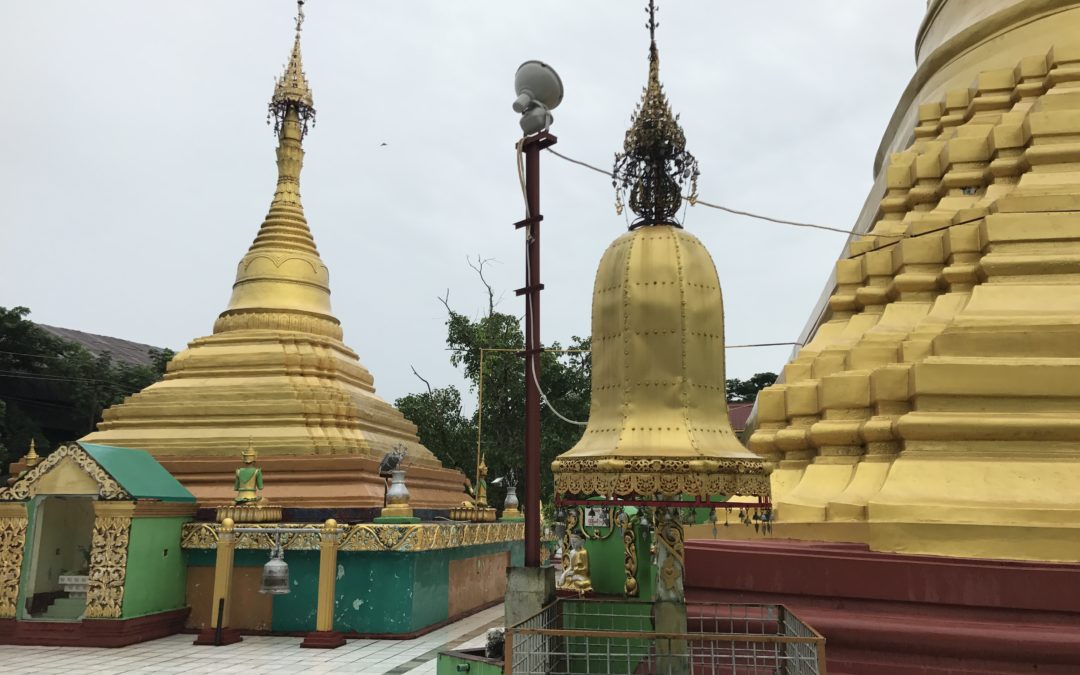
{"type": "Point", "coordinates": [228, 636]}
{"type": "Point", "coordinates": [323, 639]}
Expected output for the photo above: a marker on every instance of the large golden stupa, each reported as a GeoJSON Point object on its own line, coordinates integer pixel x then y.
{"type": "Point", "coordinates": [275, 373]}
{"type": "Point", "coordinates": [936, 408]}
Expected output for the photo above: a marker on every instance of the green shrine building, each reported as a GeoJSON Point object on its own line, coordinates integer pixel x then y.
{"type": "Point", "coordinates": [90, 537]}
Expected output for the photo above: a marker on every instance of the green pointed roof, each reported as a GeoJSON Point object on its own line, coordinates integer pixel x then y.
{"type": "Point", "coordinates": [138, 473]}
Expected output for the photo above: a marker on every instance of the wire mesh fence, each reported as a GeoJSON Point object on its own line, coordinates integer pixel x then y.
{"type": "Point", "coordinates": [624, 637]}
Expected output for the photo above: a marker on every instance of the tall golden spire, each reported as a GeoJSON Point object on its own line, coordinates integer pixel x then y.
{"type": "Point", "coordinates": [275, 375]}
{"type": "Point", "coordinates": [654, 165]}
{"type": "Point", "coordinates": [282, 282]}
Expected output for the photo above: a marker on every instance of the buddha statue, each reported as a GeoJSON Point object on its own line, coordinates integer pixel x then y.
{"type": "Point", "coordinates": [248, 480]}
{"type": "Point", "coordinates": [575, 573]}
{"type": "Point", "coordinates": [481, 484]}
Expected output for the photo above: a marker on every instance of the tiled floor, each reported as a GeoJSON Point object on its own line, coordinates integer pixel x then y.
{"type": "Point", "coordinates": [256, 654]}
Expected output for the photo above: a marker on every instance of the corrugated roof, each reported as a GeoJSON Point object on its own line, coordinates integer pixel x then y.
{"type": "Point", "coordinates": [124, 351]}
{"type": "Point", "coordinates": [738, 413]}
{"type": "Point", "coordinates": [138, 473]}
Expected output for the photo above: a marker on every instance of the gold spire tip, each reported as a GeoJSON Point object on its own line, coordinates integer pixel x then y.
{"type": "Point", "coordinates": [654, 165]}
{"type": "Point", "coordinates": [291, 90]}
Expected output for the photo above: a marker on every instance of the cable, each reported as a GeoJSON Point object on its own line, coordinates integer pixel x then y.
{"type": "Point", "coordinates": [39, 356]}
{"type": "Point", "coordinates": [528, 298]}
{"type": "Point", "coordinates": [748, 214]}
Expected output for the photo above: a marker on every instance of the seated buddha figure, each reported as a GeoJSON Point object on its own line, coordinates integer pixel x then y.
{"type": "Point", "coordinates": [249, 480]}
{"type": "Point", "coordinates": [575, 573]}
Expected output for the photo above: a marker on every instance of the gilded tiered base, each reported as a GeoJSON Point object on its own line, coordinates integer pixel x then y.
{"type": "Point", "coordinates": [935, 410]}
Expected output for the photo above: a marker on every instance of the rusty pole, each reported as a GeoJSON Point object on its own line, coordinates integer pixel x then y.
{"type": "Point", "coordinates": [532, 147]}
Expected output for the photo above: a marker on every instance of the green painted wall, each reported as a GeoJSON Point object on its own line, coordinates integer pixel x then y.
{"type": "Point", "coordinates": [607, 562]}
{"type": "Point", "coordinates": [606, 655]}
{"type": "Point", "coordinates": [375, 592]}
{"type": "Point", "coordinates": [447, 664]}
{"type": "Point", "coordinates": [156, 573]}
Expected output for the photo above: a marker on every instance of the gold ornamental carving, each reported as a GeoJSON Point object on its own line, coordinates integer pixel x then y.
{"type": "Point", "coordinates": [630, 555]}
{"type": "Point", "coordinates": [671, 555]}
{"type": "Point", "coordinates": [363, 537]}
{"type": "Point", "coordinates": [12, 544]}
{"type": "Point", "coordinates": [23, 488]}
{"type": "Point", "coordinates": [108, 567]}
{"type": "Point", "coordinates": [636, 476]}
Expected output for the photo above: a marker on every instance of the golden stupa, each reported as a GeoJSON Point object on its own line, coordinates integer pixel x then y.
{"type": "Point", "coordinates": [276, 371]}
{"type": "Point", "coordinates": [658, 422]}
{"type": "Point", "coordinates": [935, 409]}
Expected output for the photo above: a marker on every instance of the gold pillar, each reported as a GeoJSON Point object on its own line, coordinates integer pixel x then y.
{"type": "Point", "coordinates": [223, 573]}
{"type": "Point", "coordinates": [324, 619]}
{"type": "Point", "coordinates": [12, 544]}
{"type": "Point", "coordinates": [324, 636]}
{"type": "Point", "coordinates": [108, 559]}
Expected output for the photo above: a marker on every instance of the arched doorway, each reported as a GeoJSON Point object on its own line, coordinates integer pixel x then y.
{"type": "Point", "coordinates": [61, 541]}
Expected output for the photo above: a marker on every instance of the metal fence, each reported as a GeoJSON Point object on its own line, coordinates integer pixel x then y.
{"type": "Point", "coordinates": [621, 637]}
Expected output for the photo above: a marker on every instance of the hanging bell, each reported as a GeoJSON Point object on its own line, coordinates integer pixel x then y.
{"type": "Point", "coordinates": [275, 576]}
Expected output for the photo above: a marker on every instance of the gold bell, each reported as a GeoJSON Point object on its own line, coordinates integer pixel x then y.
{"type": "Point", "coordinates": [658, 422]}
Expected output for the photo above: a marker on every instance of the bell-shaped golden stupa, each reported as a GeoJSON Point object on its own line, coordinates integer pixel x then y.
{"type": "Point", "coordinates": [658, 424]}
{"type": "Point", "coordinates": [276, 370]}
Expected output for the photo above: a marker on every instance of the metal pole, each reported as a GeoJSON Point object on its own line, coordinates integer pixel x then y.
{"type": "Point", "coordinates": [479, 427]}
{"type": "Point", "coordinates": [532, 147]}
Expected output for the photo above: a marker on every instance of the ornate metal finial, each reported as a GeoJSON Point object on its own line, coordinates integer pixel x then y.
{"type": "Point", "coordinates": [291, 90]}
{"type": "Point", "coordinates": [654, 165]}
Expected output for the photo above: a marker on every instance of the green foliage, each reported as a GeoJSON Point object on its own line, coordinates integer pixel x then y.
{"type": "Point", "coordinates": [565, 379]}
{"type": "Point", "coordinates": [42, 372]}
{"type": "Point", "coordinates": [440, 424]}
{"type": "Point", "coordinates": [746, 391]}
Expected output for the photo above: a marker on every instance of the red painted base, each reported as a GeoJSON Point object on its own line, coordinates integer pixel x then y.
{"type": "Point", "coordinates": [323, 639]}
{"type": "Point", "coordinates": [93, 632]}
{"type": "Point", "coordinates": [893, 614]}
{"type": "Point", "coordinates": [208, 636]}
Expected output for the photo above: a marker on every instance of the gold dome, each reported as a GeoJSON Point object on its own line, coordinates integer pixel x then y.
{"type": "Point", "coordinates": [658, 423]}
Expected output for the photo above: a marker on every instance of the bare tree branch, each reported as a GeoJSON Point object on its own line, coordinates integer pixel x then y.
{"type": "Point", "coordinates": [446, 302]}
{"type": "Point", "coordinates": [421, 378]}
{"type": "Point", "coordinates": [479, 267]}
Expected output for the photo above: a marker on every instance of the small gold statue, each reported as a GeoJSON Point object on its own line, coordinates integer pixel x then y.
{"type": "Point", "coordinates": [575, 573]}
{"type": "Point", "coordinates": [249, 479]}
{"type": "Point", "coordinates": [481, 484]}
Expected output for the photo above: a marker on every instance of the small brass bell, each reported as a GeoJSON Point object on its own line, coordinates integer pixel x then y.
{"type": "Point", "coordinates": [275, 576]}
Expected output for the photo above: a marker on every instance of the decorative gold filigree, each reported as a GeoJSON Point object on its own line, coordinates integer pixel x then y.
{"type": "Point", "coordinates": [108, 567]}
{"type": "Point", "coordinates": [571, 523]}
{"type": "Point", "coordinates": [234, 320]}
{"type": "Point", "coordinates": [671, 554]}
{"type": "Point", "coordinates": [617, 476]}
{"type": "Point", "coordinates": [654, 164]}
{"type": "Point", "coordinates": [363, 537]}
{"type": "Point", "coordinates": [630, 587]}
{"type": "Point", "coordinates": [292, 90]}
{"type": "Point", "coordinates": [12, 544]}
{"type": "Point", "coordinates": [599, 535]}
{"type": "Point", "coordinates": [23, 487]}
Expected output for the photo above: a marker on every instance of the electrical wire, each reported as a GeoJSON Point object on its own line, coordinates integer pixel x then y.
{"type": "Point", "coordinates": [528, 299]}
{"type": "Point", "coordinates": [748, 214]}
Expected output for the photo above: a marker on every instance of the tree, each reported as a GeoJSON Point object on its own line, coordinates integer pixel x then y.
{"type": "Point", "coordinates": [746, 391]}
{"type": "Point", "coordinates": [565, 379]}
{"type": "Point", "coordinates": [441, 425]}
{"type": "Point", "coordinates": [53, 390]}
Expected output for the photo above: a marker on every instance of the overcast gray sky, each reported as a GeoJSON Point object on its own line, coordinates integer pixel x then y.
{"type": "Point", "coordinates": [137, 165]}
